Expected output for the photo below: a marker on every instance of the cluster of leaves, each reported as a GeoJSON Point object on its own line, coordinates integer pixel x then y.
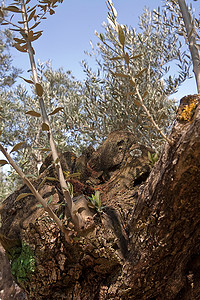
{"type": "Point", "coordinates": [23, 265]}
{"type": "Point", "coordinates": [60, 91]}
{"type": "Point", "coordinates": [34, 14]}
{"type": "Point", "coordinates": [8, 73]}
{"type": "Point", "coordinates": [153, 158]}
{"type": "Point", "coordinates": [95, 201]}
{"type": "Point", "coordinates": [7, 185]}
{"type": "Point", "coordinates": [121, 53]}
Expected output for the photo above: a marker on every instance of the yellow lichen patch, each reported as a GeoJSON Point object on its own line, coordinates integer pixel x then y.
{"type": "Point", "coordinates": [188, 111]}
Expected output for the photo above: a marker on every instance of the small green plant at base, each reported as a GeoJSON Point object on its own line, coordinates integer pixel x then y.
{"type": "Point", "coordinates": [95, 202]}
{"type": "Point", "coordinates": [153, 158]}
{"type": "Point", "coordinates": [23, 264]}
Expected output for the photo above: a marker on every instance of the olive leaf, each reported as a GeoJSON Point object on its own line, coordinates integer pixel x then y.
{"type": "Point", "coordinates": [12, 8]}
{"type": "Point", "coordinates": [121, 35]}
{"type": "Point", "coordinates": [39, 89]}
{"type": "Point", "coordinates": [56, 110]}
{"type": "Point", "coordinates": [50, 199]}
{"type": "Point", "coordinates": [23, 195]}
{"type": "Point", "coordinates": [33, 113]}
{"type": "Point", "coordinates": [17, 147]}
{"type": "Point", "coordinates": [20, 48]}
{"type": "Point", "coordinates": [27, 80]}
{"type": "Point", "coordinates": [140, 73]}
{"type": "Point", "coordinates": [3, 162]}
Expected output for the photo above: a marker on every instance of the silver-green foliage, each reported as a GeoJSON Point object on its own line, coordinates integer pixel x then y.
{"type": "Point", "coordinates": [111, 102]}
{"type": "Point", "coordinates": [8, 73]}
{"type": "Point", "coordinates": [61, 90]}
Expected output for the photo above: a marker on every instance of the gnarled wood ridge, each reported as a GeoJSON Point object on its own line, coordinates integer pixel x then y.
{"type": "Point", "coordinates": [144, 239]}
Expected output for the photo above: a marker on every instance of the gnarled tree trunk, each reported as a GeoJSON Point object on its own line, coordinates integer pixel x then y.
{"type": "Point", "coordinates": [145, 242]}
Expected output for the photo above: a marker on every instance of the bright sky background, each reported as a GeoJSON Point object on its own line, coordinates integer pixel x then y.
{"type": "Point", "coordinates": [67, 34]}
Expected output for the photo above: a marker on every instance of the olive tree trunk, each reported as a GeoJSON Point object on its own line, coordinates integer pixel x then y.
{"type": "Point", "coordinates": [145, 243]}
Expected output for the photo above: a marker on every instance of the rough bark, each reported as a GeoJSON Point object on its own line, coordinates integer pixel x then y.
{"type": "Point", "coordinates": [145, 242]}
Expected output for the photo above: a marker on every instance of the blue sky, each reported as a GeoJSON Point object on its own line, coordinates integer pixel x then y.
{"type": "Point", "coordinates": [67, 34]}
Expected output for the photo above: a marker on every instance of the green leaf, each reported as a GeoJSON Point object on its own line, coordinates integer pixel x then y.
{"type": "Point", "coordinates": [97, 199]}
{"type": "Point", "coordinates": [121, 75]}
{"type": "Point", "coordinates": [155, 157]}
{"type": "Point", "coordinates": [30, 176]}
{"type": "Point", "coordinates": [17, 147]}
{"type": "Point", "coordinates": [50, 199]}
{"type": "Point", "coordinates": [33, 113]}
{"type": "Point", "coordinates": [39, 205]}
{"type": "Point", "coordinates": [52, 179]}
{"type": "Point", "coordinates": [20, 48]}
{"type": "Point", "coordinates": [41, 184]}
{"type": "Point", "coordinates": [20, 41]}
{"type": "Point", "coordinates": [45, 127]}
{"type": "Point", "coordinates": [39, 89]}
{"type": "Point", "coordinates": [3, 162]}
{"type": "Point", "coordinates": [140, 73]}
{"type": "Point", "coordinates": [56, 110]}
{"type": "Point", "coordinates": [1, 14]}
{"type": "Point", "coordinates": [27, 80]}
{"type": "Point", "coordinates": [32, 37]}
{"type": "Point", "coordinates": [13, 9]}
{"type": "Point", "coordinates": [121, 35]}
{"type": "Point", "coordinates": [126, 57]}
{"type": "Point", "coordinates": [102, 37]}
{"type": "Point", "coordinates": [44, 149]}
{"type": "Point", "coordinates": [35, 25]}
{"type": "Point", "coordinates": [61, 216]}
{"type": "Point", "coordinates": [136, 56]}
{"type": "Point", "coordinates": [149, 157]}
{"type": "Point", "coordinates": [23, 195]}
{"type": "Point", "coordinates": [31, 15]}
{"type": "Point", "coordinates": [31, 9]}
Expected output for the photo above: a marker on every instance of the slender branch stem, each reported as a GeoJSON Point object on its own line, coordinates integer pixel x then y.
{"type": "Point", "coordinates": [149, 114]}
{"type": "Point", "coordinates": [70, 205]}
{"type": "Point", "coordinates": [146, 109]}
{"type": "Point", "coordinates": [191, 40]}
